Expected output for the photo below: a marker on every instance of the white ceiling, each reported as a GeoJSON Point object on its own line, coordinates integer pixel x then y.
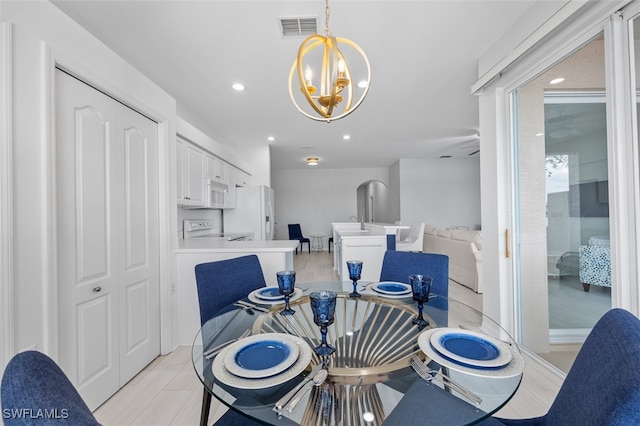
{"type": "Point", "coordinates": [423, 56]}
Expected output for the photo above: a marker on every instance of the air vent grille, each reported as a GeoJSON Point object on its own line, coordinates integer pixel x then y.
{"type": "Point", "coordinates": [298, 27]}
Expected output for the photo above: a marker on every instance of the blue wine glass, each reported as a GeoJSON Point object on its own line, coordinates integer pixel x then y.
{"type": "Point", "coordinates": [355, 269]}
{"type": "Point", "coordinates": [420, 286]}
{"type": "Point", "coordinates": [323, 305]}
{"type": "Point", "coordinates": [286, 284]}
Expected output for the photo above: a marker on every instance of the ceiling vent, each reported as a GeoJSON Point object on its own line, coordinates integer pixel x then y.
{"type": "Point", "coordinates": [298, 27]}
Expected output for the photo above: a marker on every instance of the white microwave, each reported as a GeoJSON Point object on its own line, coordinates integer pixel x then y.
{"type": "Point", "coordinates": [218, 194]}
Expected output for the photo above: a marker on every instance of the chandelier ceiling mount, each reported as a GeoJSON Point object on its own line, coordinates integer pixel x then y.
{"type": "Point", "coordinates": [335, 76]}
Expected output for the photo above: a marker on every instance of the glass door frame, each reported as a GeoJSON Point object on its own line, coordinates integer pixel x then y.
{"type": "Point", "coordinates": [622, 157]}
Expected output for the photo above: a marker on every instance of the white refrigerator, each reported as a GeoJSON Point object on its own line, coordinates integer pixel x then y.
{"type": "Point", "coordinates": [253, 213]}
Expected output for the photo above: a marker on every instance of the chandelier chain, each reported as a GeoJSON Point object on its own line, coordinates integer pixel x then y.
{"type": "Point", "coordinates": [327, 11]}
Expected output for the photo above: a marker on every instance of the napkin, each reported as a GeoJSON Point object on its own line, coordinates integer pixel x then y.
{"type": "Point", "coordinates": [426, 404]}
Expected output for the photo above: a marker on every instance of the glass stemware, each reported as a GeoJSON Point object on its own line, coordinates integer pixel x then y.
{"type": "Point", "coordinates": [355, 269]}
{"type": "Point", "coordinates": [420, 286]}
{"type": "Point", "coordinates": [323, 305]}
{"type": "Point", "coordinates": [286, 284]}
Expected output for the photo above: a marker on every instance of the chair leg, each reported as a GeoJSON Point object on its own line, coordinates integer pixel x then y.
{"type": "Point", "coordinates": [309, 247]}
{"type": "Point", "coordinates": [206, 406]}
{"type": "Point", "coordinates": [586, 287]}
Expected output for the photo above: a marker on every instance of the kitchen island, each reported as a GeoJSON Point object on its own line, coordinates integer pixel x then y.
{"type": "Point", "coordinates": [275, 255]}
{"type": "Point", "coordinates": [369, 244]}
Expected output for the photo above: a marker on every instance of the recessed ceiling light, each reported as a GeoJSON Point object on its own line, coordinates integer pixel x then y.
{"type": "Point", "coordinates": [557, 80]}
{"type": "Point", "coordinates": [238, 86]}
{"type": "Point", "coordinates": [271, 139]}
{"type": "Point", "coordinates": [362, 84]}
{"type": "Point", "coordinates": [539, 134]}
{"type": "Point", "coordinates": [312, 161]}
{"type": "Point", "coordinates": [346, 137]}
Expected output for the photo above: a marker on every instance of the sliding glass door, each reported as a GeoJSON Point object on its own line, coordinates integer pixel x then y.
{"type": "Point", "coordinates": [562, 210]}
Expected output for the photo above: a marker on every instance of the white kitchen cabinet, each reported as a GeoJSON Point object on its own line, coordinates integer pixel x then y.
{"type": "Point", "coordinates": [237, 179]}
{"type": "Point", "coordinates": [369, 249]}
{"type": "Point", "coordinates": [241, 178]}
{"type": "Point", "coordinates": [369, 245]}
{"type": "Point", "coordinates": [180, 167]}
{"type": "Point", "coordinates": [191, 179]}
{"type": "Point", "coordinates": [217, 169]}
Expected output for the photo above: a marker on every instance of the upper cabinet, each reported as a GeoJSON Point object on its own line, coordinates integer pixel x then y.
{"type": "Point", "coordinates": [237, 178]}
{"type": "Point", "coordinates": [217, 169]}
{"type": "Point", "coordinates": [204, 180]}
{"type": "Point", "coordinates": [191, 174]}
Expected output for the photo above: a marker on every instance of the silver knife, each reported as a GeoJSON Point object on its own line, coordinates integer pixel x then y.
{"type": "Point", "coordinates": [283, 401]}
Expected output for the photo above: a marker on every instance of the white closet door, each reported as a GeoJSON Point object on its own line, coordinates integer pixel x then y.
{"type": "Point", "coordinates": [87, 206]}
{"type": "Point", "coordinates": [107, 230]}
{"type": "Point", "coordinates": [139, 298]}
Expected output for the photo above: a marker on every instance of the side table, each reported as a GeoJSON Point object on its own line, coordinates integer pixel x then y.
{"type": "Point", "coordinates": [316, 242]}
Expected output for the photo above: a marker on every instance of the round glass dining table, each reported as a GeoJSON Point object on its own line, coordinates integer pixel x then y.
{"type": "Point", "coordinates": [370, 377]}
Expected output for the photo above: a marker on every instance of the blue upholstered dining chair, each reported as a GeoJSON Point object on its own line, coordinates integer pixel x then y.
{"type": "Point", "coordinates": [33, 383]}
{"type": "Point", "coordinates": [295, 233]}
{"type": "Point", "coordinates": [398, 265]}
{"type": "Point", "coordinates": [220, 284]}
{"type": "Point", "coordinates": [603, 385]}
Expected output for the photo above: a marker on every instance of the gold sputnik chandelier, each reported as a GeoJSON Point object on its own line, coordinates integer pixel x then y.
{"type": "Point", "coordinates": [335, 99]}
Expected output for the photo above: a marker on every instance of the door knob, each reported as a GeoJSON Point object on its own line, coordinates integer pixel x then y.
{"type": "Point", "coordinates": [97, 289]}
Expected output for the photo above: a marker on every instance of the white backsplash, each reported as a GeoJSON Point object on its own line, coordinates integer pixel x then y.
{"type": "Point", "coordinates": [213, 215]}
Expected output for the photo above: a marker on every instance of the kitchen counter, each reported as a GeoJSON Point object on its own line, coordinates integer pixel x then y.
{"type": "Point", "coordinates": [213, 245]}
{"type": "Point", "coordinates": [369, 245]}
{"type": "Point", "coordinates": [274, 256]}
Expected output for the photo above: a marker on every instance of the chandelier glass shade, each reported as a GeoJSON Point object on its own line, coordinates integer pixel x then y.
{"type": "Point", "coordinates": [334, 99]}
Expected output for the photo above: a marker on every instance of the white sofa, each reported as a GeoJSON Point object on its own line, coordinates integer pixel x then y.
{"type": "Point", "coordinates": [464, 248]}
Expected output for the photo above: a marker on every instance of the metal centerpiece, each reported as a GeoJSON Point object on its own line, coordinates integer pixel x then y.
{"type": "Point", "coordinates": [372, 336]}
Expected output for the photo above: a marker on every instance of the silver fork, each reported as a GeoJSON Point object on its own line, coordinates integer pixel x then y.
{"type": "Point", "coordinates": [429, 375]}
{"type": "Point", "coordinates": [247, 305]}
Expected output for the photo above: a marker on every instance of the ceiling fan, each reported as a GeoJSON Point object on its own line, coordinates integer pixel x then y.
{"type": "Point", "coordinates": [468, 145]}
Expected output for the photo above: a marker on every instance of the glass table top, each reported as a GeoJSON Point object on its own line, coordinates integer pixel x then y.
{"type": "Point", "coordinates": [370, 379]}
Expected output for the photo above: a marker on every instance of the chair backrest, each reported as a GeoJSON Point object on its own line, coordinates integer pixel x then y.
{"type": "Point", "coordinates": [603, 385]}
{"type": "Point", "coordinates": [33, 383]}
{"type": "Point", "coordinates": [223, 282]}
{"type": "Point", "coordinates": [398, 265]}
{"type": "Point", "coordinates": [295, 231]}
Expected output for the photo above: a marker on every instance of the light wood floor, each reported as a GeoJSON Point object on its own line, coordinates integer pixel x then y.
{"type": "Point", "coordinates": [168, 391]}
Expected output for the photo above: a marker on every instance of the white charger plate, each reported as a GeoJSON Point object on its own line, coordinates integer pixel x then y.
{"type": "Point", "coordinates": [297, 293]}
{"type": "Point", "coordinates": [221, 373]}
{"type": "Point", "coordinates": [391, 288]}
{"type": "Point", "coordinates": [368, 290]}
{"type": "Point", "coordinates": [471, 348]}
{"type": "Point", "coordinates": [512, 369]}
{"type": "Point", "coordinates": [262, 355]}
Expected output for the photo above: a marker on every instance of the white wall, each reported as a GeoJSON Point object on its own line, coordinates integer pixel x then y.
{"type": "Point", "coordinates": [41, 33]}
{"type": "Point", "coordinates": [440, 192]}
{"type": "Point", "coordinates": [316, 197]}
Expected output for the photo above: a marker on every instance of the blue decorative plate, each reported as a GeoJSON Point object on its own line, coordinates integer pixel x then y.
{"type": "Point", "coordinates": [513, 368]}
{"type": "Point", "coordinates": [223, 375]}
{"type": "Point", "coordinates": [262, 355]}
{"type": "Point", "coordinates": [391, 288]}
{"type": "Point", "coordinates": [471, 348]}
{"type": "Point", "coordinates": [269, 293]}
